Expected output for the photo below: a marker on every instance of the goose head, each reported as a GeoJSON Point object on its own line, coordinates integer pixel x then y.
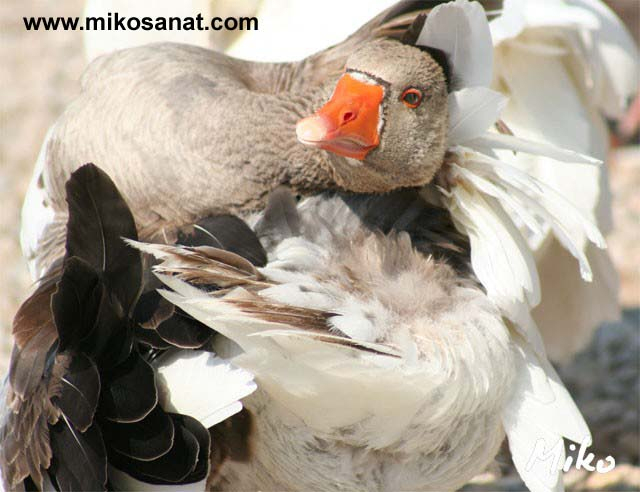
{"type": "Point", "coordinates": [387, 118]}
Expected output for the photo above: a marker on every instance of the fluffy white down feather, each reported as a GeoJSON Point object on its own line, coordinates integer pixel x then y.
{"type": "Point", "coordinates": [311, 391]}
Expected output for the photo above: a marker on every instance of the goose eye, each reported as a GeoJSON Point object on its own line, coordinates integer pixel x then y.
{"type": "Point", "coordinates": [411, 97]}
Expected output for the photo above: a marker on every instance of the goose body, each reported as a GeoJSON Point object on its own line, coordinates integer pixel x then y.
{"type": "Point", "coordinates": [365, 330]}
{"type": "Point", "coordinates": [380, 360]}
{"type": "Point", "coordinates": [378, 416]}
{"type": "Point", "coordinates": [370, 340]}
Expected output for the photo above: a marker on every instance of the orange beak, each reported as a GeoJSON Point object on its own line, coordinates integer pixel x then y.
{"type": "Point", "coordinates": [348, 124]}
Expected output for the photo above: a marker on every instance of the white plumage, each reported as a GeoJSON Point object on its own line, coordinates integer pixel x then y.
{"type": "Point", "coordinates": [36, 214]}
{"type": "Point", "coordinates": [202, 385]}
{"type": "Point", "coordinates": [422, 352]}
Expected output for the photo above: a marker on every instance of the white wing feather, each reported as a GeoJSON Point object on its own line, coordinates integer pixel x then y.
{"type": "Point", "coordinates": [531, 416]}
{"type": "Point", "coordinates": [499, 255]}
{"type": "Point", "coordinates": [593, 62]}
{"type": "Point", "coordinates": [202, 385]}
{"type": "Point", "coordinates": [509, 142]}
{"type": "Point", "coordinates": [298, 370]}
{"type": "Point", "coordinates": [471, 111]}
{"type": "Point", "coordinates": [487, 187]}
{"type": "Point", "coordinates": [460, 29]}
{"type": "Point", "coordinates": [527, 193]}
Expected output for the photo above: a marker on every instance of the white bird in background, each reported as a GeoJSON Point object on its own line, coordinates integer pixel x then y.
{"type": "Point", "coordinates": [579, 45]}
{"type": "Point", "coordinates": [566, 67]}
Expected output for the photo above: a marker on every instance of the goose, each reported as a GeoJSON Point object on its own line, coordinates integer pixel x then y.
{"type": "Point", "coordinates": [473, 187]}
{"type": "Point", "coordinates": [555, 37]}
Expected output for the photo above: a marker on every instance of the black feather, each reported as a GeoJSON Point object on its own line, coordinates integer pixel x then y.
{"type": "Point", "coordinates": [203, 437]}
{"type": "Point", "coordinates": [90, 392]}
{"type": "Point", "coordinates": [412, 34]}
{"type": "Point", "coordinates": [181, 330]}
{"type": "Point", "coordinates": [226, 232]}
{"type": "Point", "coordinates": [147, 439]}
{"type": "Point", "coordinates": [98, 220]}
{"type": "Point", "coordinates": [151, 309]}
{"type": "Point", "coordinates": [129, 390]}
{"type": "Point", "coordinates": [76, 302]}
{"type": "Point", "coordinates": [164, 325]}
{"type": "Point", "coordinates": [80, 388]}
{"type": "Point", "coordinates": [79, 458]}
{"type": "Point", "coordinates": [177, 465]}
{"type": "Point", "coordinates": [110, 341]}
{"type": "Point", "coordinates": [150, 338]}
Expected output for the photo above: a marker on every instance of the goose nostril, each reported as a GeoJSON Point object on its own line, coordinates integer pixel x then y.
{"type": "Point", "coordinates": [348, 116]}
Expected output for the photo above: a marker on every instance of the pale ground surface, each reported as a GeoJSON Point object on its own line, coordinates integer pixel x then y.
{"type": "Point", "coordinates": [39, 73]}
{"type": "Point", "coordinates": [39, 77]}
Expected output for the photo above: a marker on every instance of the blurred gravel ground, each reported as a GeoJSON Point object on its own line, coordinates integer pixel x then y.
{"type": "Point", "coordinates": [39, 76]}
